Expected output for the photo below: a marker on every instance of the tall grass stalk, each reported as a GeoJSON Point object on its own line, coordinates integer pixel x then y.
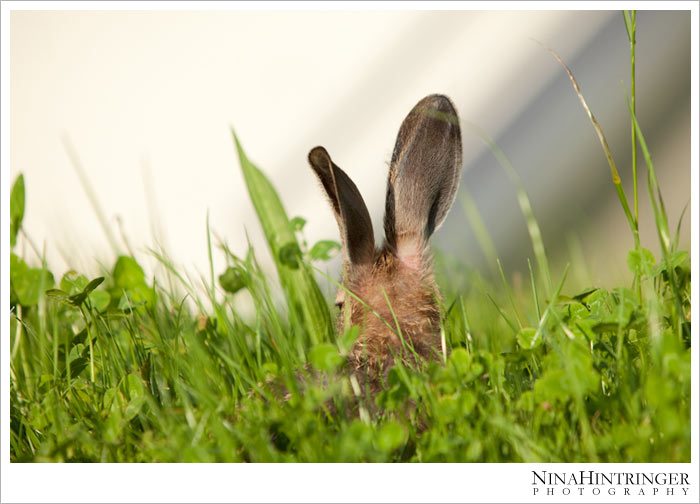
{"type": "Point", "coordinates": [630, 18]}
{"type": "Point", "coordinates": [631, 220]}
{"type": "Point", "coordinates": [90, 192]}
{"type": "Point", "coordinates": [661, 220]}
{"type": "Point", "coordinates": [533, 227]}
{"type": "Point", "coordinates": [481, 232]}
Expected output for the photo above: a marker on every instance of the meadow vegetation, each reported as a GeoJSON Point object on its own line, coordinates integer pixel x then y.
{"type": "Point", "coordinates": [126, 368]}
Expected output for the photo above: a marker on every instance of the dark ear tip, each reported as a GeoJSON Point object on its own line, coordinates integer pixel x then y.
{"type": "Point", "coordinates": [318, 156]}
{"type": "Point", "coordinates": [438, 102]}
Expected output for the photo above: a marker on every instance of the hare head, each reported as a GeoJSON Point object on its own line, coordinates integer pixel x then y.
{"type": "Point", "coordinates": [390, 291]}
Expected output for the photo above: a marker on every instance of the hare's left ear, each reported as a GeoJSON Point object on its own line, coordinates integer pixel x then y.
{"type": "Point", "coordinates": [348, 207]}
{"type": "Point", "coordinates": [424, 176]}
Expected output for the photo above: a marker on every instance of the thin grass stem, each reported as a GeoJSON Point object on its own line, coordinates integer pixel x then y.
{"type": "Point", "coordinates": [606, 149]}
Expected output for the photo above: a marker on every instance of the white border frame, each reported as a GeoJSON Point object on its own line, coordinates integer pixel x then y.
{"type": "Point", "coordinates": [315, 482]}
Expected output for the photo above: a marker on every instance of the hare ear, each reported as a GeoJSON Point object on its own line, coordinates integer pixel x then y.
{"type": "Point", "coordinates": [424, 176]}
{"type": "Point", "coordinates": [348, 206]}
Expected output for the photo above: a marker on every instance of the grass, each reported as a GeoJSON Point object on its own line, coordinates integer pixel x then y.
{"type": "Point", "coordinates": [125, 368]}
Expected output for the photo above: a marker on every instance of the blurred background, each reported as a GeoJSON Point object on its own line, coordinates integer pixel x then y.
{"type": "Point", "coordinates": [144, 102]}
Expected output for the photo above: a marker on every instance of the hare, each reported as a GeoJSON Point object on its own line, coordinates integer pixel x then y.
{"type": "Point", "coordinates": [390, 292]}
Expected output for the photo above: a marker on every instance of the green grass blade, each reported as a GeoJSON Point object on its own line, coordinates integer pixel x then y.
{"type": "Point", "coordinates": [631, 25]}
{"type": "Point", "coordinates": [212, 284]}
{"type": "Point", "coordinates": [678, 227]}
{"type": "Point", "coordinates": [90, 192]}
{"type": "Point", "coordinates": [550, 307]}
{"type": "Point", "coordinates": [405, 344]}
{"type": "Point", "coordinates": [659, 215]}
{"type": "Point", "coordinates": [301, 290]}
{"type": "Point", "coordinates": [534, 289]}
{"type": "Point", "coordinates": [634, 226]}
{"type": "Point", "coordinates": [503, 314]}
{"type": "Point", "coordinates": [480, 231]}
{"type": "Point", "coordinates": [359, 300]}
{"type": "Point", "coordinates": [506, 287]}
{"type": "Point", "coordinates": [533, 227]}
{"type": "Point", "coordinates": [17, 198]}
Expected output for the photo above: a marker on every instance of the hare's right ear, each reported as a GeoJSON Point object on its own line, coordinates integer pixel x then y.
{"type": "Point", "coordinates": [348, 206]}
{"type": "Point", "coordinates": [423, 178]}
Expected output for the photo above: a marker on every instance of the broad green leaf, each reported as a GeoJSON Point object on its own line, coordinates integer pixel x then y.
{"type": "Point", "coordinates": [110, 399]}
{"type": "Point", "coordinates": [78, 364]}
{"type": "Point", "coordinates": [134, 407]}
{"type": "Point", "coordinates": [391, 436]}
{"type": "Point", "coordinates": [290, 255]}
{"type": "Point", "coordinates": [569, 373]}
{"type": "Point", "coordinates": [347, 339]}
{"type": "Point", "coordinates": [30, 283]}
{"type": "Point", "coordinates": [676, 259]}
{"type": "Point", "coordinates": [79, 299]}
{"type": "Point", "coordinates": [128, 303]}
{"type": "Point", "coordinates": [297, 223]}
{"type": "Point", "coordinates": [447, 407]}
{"type": "Point", "coordinates": [582, 378]}
{"type": "Point", "coordinates": [232, 280]}
{"type": "Point", "coordinates": [270, 369]}
{"type": "Point", "coordinates": [99, 299]}
{"type": "Point", "coordinates": [325, 357]}
{"type": "Point", "coordinates": [73, 282]}
{"type": "Point", "coordinates": [585, 328]}
{"type": "Point", "coordinates": [16, 208]}
{"type": "Point", "coordinates": [324, 250]}
{"type": "Point", "coordinates": [552, 386]}
{"type": "Point", "coordinates": [143, 293]}
{"type": "Point", "coordinates": [459, 360]}
{"type": "Point", "coordinates": [132, 386]}
{"type": "Point", "coordinates": [18, 268]}
{"type": "Point", "coordinates": [93, 285]}
{"type": "Point", "coordinates": [640, 262]}
{"type": "Point", "coordinates": [304, 298]}
{"type": "Point", "coordinates": [398, 389]}
{"type": "Point", "coordinates": [579, 298]}
{"type": "Point", "coordinates": [127, 273]}
{"type": "Point", "coordinates": [129, 276]}
{"type": "Point", "coordinates": [585, 295]}
{"type": "Point", "coordinates": [112, 427]}
{"type": "Point", "coordinates": [526, 402]}
{"type": "Point", "coordinates": [79, 339]}
{"type": "Point", "coordinates": [526, 338]}
{"type": "Point", "coordinates": [623, 306]}
{"type": "Point", "coordinates": [467, 401]}
{"type": "Point", "coordinates": [356, 440]}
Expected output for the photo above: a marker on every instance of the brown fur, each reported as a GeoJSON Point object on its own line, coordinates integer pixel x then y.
{"type": "Point", "coordinates": [394, 295]}
{"type": "Point", "coordinates": [391, 292]}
